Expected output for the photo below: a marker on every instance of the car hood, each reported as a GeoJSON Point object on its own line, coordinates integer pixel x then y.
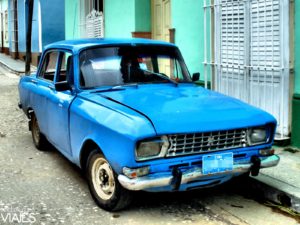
{"type": "Point", "coordinates": [187, 108]}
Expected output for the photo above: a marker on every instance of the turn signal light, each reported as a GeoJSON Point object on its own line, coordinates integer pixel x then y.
{"type": "Point", "coordinates": [134, 173]}
{"type": "Point", "coordinates": [266, 152]}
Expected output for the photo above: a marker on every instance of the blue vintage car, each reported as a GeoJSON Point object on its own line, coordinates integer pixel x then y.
{"type": "Point", "coordinates": [129, 114]}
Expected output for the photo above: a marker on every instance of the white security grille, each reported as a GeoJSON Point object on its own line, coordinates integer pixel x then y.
{"type": "Point", "coordinates": [91, 20]}
{"type": "Point", "coordinates": [94, 24]}
{"type": "Point", "coordinates": [250, 59]}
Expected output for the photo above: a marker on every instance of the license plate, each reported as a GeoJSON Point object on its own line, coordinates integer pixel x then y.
{"type": "Point", "coordinates": [217, 163]}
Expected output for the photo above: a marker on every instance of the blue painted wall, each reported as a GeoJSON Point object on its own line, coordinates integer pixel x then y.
{"type": "Point", "coordinates": [53, 21]}
{"type": "Point", "coordinates": [21, 26]}
{"type": "Point", "coordinates": [9, 28]}
{"type": "Point", "coordinates": [35, 28]}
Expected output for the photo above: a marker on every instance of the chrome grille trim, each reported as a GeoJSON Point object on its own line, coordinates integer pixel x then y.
{"type": "Point", "coordinates": [186, 144]}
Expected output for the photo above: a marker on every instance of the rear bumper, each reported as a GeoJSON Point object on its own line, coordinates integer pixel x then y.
{"type": "Point", "coordinates": [167, 179]}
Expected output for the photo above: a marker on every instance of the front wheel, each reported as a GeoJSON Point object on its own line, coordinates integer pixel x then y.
{"type": "Point", "coordinates": [104, 185]}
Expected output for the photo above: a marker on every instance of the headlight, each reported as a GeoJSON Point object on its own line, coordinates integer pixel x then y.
{"type": "Point", "coordinates": [257, 136]}
{"type": "Point", "coordinates": [153, 148]}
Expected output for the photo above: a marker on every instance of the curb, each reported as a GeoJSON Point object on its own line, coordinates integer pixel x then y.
{"type": "Point", "coordinates": [277, 191]}
{"type": "Point", "coordinates": [14, 71]}
{"type": "Point", "coordinates": [10, 69]}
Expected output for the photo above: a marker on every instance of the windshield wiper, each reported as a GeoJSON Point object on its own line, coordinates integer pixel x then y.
{"type": "Point", "coordinates": [161, 76]}
{"type": "Point", "coordinates": [117, 88]}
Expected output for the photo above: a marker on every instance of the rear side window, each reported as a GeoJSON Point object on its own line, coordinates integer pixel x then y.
{"type": "Point", "coordinates": [49, 66]}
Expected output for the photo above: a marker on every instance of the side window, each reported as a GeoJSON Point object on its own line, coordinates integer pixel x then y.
{"type": "Point", "coordinates": [65, 69]}
{"type": "Point", "coordinates": [49, 65]}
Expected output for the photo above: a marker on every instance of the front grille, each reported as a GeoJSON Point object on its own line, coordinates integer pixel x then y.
{"type": "Point", "coordinates": [186, 144]}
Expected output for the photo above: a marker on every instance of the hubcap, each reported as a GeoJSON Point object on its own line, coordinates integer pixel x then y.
{"type": "Point", "coordinates": [103, 179]}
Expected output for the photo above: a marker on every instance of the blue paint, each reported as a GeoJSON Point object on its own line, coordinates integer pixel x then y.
{"type": "Point", "coordinates": [52, 23]}
{"type": "Point", "coordinates": [35, 28]}
{"type": "Point", "coordinates": [21, 26]}
{"type": "Point", "coordinates": [116, 121]}
{"type": "Point", "coordinates": [203, 111]}
{"type": "Point", "coordinates": [77, 45]}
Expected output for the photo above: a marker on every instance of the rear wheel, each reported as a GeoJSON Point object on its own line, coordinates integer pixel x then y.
{"type": "Point", "coordinates": [104, 185]}
{"type": "Point", "coordinates": [38, 138]}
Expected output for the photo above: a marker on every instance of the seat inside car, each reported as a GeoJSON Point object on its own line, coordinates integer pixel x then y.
{"type": "Point", "coordinates": [95, 77]}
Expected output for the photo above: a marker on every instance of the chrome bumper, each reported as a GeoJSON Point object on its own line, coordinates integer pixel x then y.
{"type": "Point", "coordinates": [165, 179]}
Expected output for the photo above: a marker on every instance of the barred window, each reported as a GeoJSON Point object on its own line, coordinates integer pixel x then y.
{"type": "Point", "coordinates": [91, 18]}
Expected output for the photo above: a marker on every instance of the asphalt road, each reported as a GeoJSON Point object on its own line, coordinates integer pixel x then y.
{"type": "Point", "coordinates": [44, 188]}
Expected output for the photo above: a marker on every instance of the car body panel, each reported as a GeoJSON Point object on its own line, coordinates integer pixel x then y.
{"type": "Point", "coordinates": [165, 105]}
{"type": "Point", "coordinates": [78, 45]}
{"type": "Point", "coordinates": [59, 104]}
{"type": "Point", "coordinates": [113, 127]}
{"type": "Point", "coordinates": [116, 120]}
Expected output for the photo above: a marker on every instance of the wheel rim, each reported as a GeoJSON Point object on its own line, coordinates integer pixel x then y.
{"type": "Point", "coordinates": [103, 179]}
{"type": "Point", "coordinates": [35, 130]}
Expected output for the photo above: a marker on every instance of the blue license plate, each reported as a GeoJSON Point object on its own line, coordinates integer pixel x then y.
{"type": "Point", "coordinates": [217, 163]}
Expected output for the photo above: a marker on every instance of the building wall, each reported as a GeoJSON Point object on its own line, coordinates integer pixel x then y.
{"type": "Point", "coordinates": [122, 17]}
{"type": "Point", "coordinates": [72, 19]}
{"type": "Point", "coordinates": [53, 21]}
{"type": "Point", "coordinates": [3, 9]}
{"type": "Point", "coordinates": [35, 29]}
{"type": "Point", "coordinates": [21, 26]}
{"type": "Point", "coordinates": [9, 30]}
{"type": "Point", "coordinates": [142, 16]}
{"type": "Point", "coordinates": [119, 18]}
{"type": "Point", "coordinates": [50, 18]}
{"type": "Point", "coordinates": [125, 16]}
{"type": "Point", "coordinates": [9, 24]}
{"type": "Point", "coordinates": [187, 19]}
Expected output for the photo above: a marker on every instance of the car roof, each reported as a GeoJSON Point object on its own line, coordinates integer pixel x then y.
{"type": "Point", "coordinates": [79, 44]}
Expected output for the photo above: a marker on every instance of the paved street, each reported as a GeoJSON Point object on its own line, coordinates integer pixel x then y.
{"type": "Point", "coordinates": [50, 190]}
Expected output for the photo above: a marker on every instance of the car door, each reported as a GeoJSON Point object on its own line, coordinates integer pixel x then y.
{"type": "Point", "coordinates": [59, 103]}
{"type": "Point", "coordinates": [41, 89]}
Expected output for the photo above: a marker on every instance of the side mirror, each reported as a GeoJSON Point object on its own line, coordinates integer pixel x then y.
{"type": "Point", "coordinates": [62, 86]}
{"type": "Point", "coordinates": [196, 77]}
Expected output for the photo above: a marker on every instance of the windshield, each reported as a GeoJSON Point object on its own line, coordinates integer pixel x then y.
{"type": "Point", "coordinates": [111, 66]}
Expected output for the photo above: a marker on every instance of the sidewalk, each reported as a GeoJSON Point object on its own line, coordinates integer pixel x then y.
{"type": "Point", "coordinates": [14, 66]}
{"type": "Point", "coordinates": [280, 184]}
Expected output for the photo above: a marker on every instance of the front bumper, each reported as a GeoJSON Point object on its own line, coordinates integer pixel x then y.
{"type": "Point", "coordinates": [167, 178]}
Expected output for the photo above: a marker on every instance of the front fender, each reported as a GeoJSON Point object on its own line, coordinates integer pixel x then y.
{"type": "Point", "coordinates": [115, 130]}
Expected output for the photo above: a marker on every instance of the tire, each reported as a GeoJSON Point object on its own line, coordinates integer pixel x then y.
{"type": "Point", "coordinates": [104, 186]}
{"type": "Point", "coordinates": [39, 140]}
